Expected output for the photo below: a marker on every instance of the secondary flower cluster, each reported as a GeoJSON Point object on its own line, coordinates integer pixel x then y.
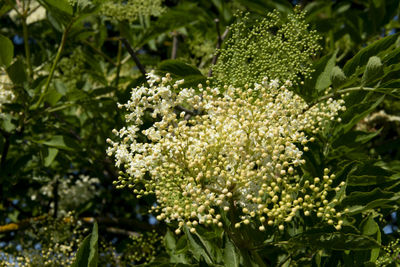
{"type": "Point", "coordinates": [215, 150]}
{"type": "Point", "coordinates": [6, 94]}
{"type": "Point", "coordinates": [131, 9]}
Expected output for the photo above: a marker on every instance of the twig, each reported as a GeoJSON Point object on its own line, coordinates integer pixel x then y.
{"type": "Point", "coordinates": [219, 44]}
{"type": "Point", "coordinates": [174, 45]}
{"type": "Point", "coordinates": [134, 56]}
{"type": "Point", "coordinates": [129, 223]}
{"type": "Point", "coordinates": [119, 231]}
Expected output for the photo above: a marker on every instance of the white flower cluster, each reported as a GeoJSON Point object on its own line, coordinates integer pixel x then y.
{"type": "Point", "coordinates": [72, 193]}
{"type": "Point", "coordinates": [6, 94]}
{"type": "Point", "coordinates": [214, 150]}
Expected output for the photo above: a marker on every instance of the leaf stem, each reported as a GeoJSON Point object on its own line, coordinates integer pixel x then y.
{"type": "Point", "coordinates": [26, 46]}
{"type": "Point", "coordinates": [53, 67]}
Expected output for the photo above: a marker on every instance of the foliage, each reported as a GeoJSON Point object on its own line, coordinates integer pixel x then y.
{"type": "Point", "coordinates": [333, 135]}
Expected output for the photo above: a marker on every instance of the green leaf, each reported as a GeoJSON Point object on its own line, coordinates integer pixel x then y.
{"type": "Point", "coordinates": [361, 58]}
{"type": "Point", "coordinates": [326, 66]}
{"type": "Point", "coordinates": [167, 22]}
{"type": "Point", "coordinates": [373, 70]}
{"type": "Point", "coordinates": [52, 96]}
{"type": "Point", "coordinates": [369, 174]}
{"type": "Point", "coordinates": [358, 202]}
{"type": "Point", "coordinates": [178, 68]}
{"type": "Point", "coordinates": [321, 77]}
{"type": "Point", "coordinates": [334, 241]}
{"type": "Point", "coordinates": [337, 77]}
{"type": "Point", "coordinates": [61, 142]}
{"type": "Point", "coordinates": [197, 247]}
{"type": "Point", "coordinates": [6, 51]}
{"type": "Point", "coordinates": [368, 226]}
{"type": "Point", "coordinates": [17, 72]}
{"type": "Point", "coordinates": [4, 8]}
{"type": "Point", "coordinates": [355, 113]}
{"type": "Point", "coordinates": [61, 5]}
{"type": "Point", "coordinates": [87, 255]}
{"type": "Point", "coordinates": [51, 155]}
{"type": "Point", "coordinates": [59, 12]}
{"type": "Point", "coordinates": [231, 259]}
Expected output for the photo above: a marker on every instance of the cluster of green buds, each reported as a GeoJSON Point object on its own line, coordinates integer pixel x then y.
{"type": "Point", "coordinates": [214, 150]}
{"type": "Point", "coordinates": [391, 254]}
{"type": "Point", "coordinates": [275, 46]}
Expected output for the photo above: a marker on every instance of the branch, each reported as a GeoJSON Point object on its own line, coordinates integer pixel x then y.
{"type": "Point", "coordinates": [123, 222]}
{"type": "Point", "coordinates": [134, 56]}
{"type": "Point", "coordinates": [119, 231]}
{"type": "Point", "coordinates": [219, 44]}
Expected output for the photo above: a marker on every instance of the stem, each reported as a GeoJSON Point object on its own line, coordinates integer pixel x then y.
{"type": "Point", "coordinates": [53, 67]}
{"type": "Point", "coordinates": [26, 45]}
{"type": "Point", "coordinates": [134, 56]}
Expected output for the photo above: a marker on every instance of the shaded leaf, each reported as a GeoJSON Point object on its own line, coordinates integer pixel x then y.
{"type": "Point", "coordinates": [51, 155]}
{"type": "Point", "coordinates": [178, 68]}
{"type": "Point", "coordinates": [17, 73]}
{"type": "Point", "coordinates": [334, 241]}
{"type": "Point", "coordinates": [364, 54]}
{"type": "Point", "coordinates": [87, 254]}
{"type": "Point", "coordinates": [6, 51]}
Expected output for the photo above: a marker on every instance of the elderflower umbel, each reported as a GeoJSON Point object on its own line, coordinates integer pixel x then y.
{"type": "Point", "coordinates": [224, 149]}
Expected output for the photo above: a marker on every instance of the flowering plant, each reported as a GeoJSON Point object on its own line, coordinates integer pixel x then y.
{"type": "Point", "coordinates": [266, 134]}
